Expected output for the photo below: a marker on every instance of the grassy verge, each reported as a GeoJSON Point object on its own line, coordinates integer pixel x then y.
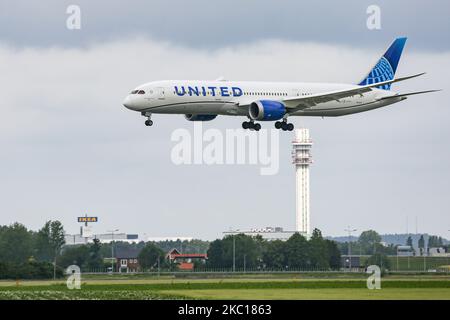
{"type": "Point", "coordinates": [294, 288]}
{"type": "Point", "coordinates": [87, 295]}
{"type": "Point", "coordinates": [319, 294]}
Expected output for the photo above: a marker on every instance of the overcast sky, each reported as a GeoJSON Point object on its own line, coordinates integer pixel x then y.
{"type": "Point", "coordinates": [68, 146]}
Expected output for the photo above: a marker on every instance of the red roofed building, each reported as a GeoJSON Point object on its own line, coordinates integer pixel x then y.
{"type": "Point", "coordinates": [184, 260]}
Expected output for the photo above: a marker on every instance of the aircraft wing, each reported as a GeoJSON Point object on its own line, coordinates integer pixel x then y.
{"type": "Point", "coordinates": [300, 103]}
{"type": "Point", "coordinates": [409, 94]}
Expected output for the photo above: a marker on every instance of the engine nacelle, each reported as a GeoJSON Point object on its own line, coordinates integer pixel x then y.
{"type": "Point", "coordinates": [266, 110]}
{"type": "Point", "coordinates": [200, 117]}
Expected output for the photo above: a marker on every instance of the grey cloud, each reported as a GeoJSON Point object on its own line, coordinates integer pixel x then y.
{"type": "Point", "coordinates": [214, 24]}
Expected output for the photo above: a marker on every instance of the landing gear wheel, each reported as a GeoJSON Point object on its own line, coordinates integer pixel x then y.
{"type": "Point", "coordinates": [278, 124]}
{"type": "Point", "coordinates": [148, 115]}
{"type": "Point", "coordinates": [290, 127]}
{"type": "Point", "coordinates": [251, 125]}
{"type": "Point", "coordinates": [284, 126]}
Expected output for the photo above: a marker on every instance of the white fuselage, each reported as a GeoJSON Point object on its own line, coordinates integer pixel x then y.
{"type": "Point", "coordinates": [234, 97]}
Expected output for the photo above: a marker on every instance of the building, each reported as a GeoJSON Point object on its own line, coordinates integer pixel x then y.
{"type": "Point", "coordinates": [127, 259]}
{"type": "Point", "coordinates": [301, 158]}
{"type": "Point", "coordinates": [438, 252]}
{"type": "Point", "coordinates": [172, 238]}
{"type": "Point", "coordinates": [268, 233]}
{"type": "Point", "coordinates": [74, 239]}
{"type": "Point", "coordinates": [185, 261]}
{"type": "Point", "coordinates": [352, 262]}
{"type": "Point", "coordinates": [405, 251]}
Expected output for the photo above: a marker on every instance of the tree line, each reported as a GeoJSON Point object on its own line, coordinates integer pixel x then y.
{"type": "Point", "coordinates": [433, 242]}
{"type": "Point", "coordinates": [25, 254]}
{"type": "Point", "coordinates": [255, 252]}
{"type": "Point", "coordinates": [43, 254]}
{"type": "Point", "coordinates": [369, 243]}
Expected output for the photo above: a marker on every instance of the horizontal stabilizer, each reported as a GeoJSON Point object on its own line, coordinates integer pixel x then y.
{"type": "Point", "coordinates": [410, 94]}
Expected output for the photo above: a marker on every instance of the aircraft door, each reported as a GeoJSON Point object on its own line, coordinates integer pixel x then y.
{"type": "Point", "coordinates": [160, 92]}
{"type": "Point", "coordinates": [294, 92]}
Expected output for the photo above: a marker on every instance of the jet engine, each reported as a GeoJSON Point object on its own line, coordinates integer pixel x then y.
{"type": "Point", "coordinates": [266, 110]}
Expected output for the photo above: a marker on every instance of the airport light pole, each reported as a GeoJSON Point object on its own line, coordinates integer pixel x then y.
{"type": "Point", "coordinates": [349, 253]}
{"type": "Point", "coordinates": [448, 257]}
{"type": "Point", "coordinates": [112, 248]}
{"type": "Point", "coordinates": [234, 253]}
{"type": "Point", "coordinates": [159, 268]}
{"type": "Point", "coordinates": [424, 262]}
{"type": "Point", "coordinates": [397, 258]}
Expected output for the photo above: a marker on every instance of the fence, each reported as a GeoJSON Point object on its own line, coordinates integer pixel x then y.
{"type": "Point", "coordinates": [417, 264]}
{"type": "Point", "coordinates": [396, 264]}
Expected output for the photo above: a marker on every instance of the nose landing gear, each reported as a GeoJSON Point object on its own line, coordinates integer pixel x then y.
{"type": "Point", "coordinates": [148, 122]}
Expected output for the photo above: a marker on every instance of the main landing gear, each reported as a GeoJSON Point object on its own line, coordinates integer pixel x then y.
{"type": "Point", "coordinates": [148, 122]}
{"type": "Point", "coordinates": [283, 125]}
{"type": "Point", "coordinates": [251, 125]}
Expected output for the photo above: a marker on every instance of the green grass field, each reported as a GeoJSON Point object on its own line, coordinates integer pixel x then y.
{"type": "Point", "coordinates": [317, 294]}
{"type": "Point", "coordinates": [393, 287]}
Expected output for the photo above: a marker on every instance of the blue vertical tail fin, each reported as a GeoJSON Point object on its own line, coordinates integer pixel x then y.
{"type": "Point", "coordinates": [387, 65]}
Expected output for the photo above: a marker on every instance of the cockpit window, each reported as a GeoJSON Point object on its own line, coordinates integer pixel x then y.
{"type": "Point", "coordinates": [138, 92]}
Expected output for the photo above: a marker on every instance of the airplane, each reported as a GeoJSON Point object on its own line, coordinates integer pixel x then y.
{"type": "Point", "coordinates": [201, 100]}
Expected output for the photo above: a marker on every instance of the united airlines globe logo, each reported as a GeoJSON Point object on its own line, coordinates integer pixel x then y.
{"type": "Point", "coordinates": [381, 72]}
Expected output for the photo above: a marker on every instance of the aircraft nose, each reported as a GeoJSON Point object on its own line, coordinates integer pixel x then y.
{"type": "Point", "coordinates": [127, 102]}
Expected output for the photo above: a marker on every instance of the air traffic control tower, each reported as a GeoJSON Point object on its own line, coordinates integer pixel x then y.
{"type": "Point", "coordinates": [301, 158]}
